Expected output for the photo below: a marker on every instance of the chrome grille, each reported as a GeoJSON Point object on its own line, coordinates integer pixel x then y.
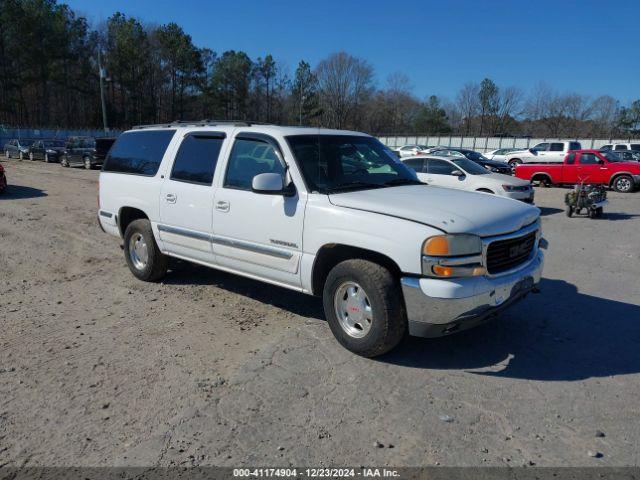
{"type": "Point", "coordinates": [503, 255]}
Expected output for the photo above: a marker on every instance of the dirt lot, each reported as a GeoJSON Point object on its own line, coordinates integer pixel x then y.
{"type": "Point", "coordinates": [97, 368]}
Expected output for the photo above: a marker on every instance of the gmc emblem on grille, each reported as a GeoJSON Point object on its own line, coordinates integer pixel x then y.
{"type": "Point", "coordinates": [519, 250]}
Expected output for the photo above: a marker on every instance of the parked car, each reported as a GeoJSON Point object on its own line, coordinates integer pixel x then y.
{"type": "Point", "coordinates": [413, 150]}
{"type": "Point", "coordinates": [464, 174]}
{"type": "Point", "coordinates": [47, 150]}
{"type": "Point", "coordinates": [17, 148]}
{"type": "Point", "coordinates": [491, 165]}
{"type": "Point", "coordinates": [621, 146]}
{"type": "Point", "coordinates": [586, 166]}
{"type": "Point", "coordinates": [546, 152]}
{"type": "Point", "coordinates": [628, 155]}
{"type": "Point", "coordinates": [3, 180]}
{"type": "Point", "coordinates": [86, 152]}
{"type": "Point", "coordinates": [386, 253]}
{"type": "Point", "coordinates": [500, 154]}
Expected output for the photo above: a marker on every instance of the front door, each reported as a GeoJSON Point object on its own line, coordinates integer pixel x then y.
{"type": "Point", "coordinates": [592, 169]}
{"type": "Point", "coordinates": [439, 173]}
{"type": "Point", "coordinates": [259, 234]}
{"type": "Point", "coordinates": [186, 197]}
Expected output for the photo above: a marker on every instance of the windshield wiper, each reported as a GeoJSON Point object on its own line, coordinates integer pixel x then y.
{"type": "Point", "coordinates": [403, 181]}
{"type": "Point", "coordinates": [350, 185]}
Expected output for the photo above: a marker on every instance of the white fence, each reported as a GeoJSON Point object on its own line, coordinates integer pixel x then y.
{"type": "Point", "coordinates": [486, 144]}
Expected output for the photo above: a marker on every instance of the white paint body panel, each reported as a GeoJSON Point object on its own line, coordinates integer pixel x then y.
{"type": "Point", "coordinates": [390, 221]}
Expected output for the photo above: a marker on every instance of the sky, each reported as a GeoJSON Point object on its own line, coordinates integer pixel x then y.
{"type": "Point", "coordinates": [588, 47]}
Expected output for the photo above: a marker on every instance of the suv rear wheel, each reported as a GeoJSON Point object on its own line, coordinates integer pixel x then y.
{"type": "Point", "coordinates": [364, 307]}
{"type": "Point", "coordinates": [144, 258]}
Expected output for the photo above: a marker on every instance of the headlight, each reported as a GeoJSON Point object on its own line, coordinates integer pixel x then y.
{"type": "Point", "coordinates": [452, 256]}
{"type": "Point", "coordinates": [51, 151]}
{"type": "Point", "coordinates": [509, 188]}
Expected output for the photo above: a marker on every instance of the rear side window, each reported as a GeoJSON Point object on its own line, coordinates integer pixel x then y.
{"type": "Point", "coordinates": [197, 158]}
{"type": "Point", "coordinates": [415, 164]}
{"type": "Point", "coordinates": [556, 147]}
{"type": "Point", "coordinates": [138, 153]}
{"type": "Point", "coordinates": [246, 161]}
{"type": "Point", "coordinates": [575, 146]}
{"type": "Point", "coordinates": [620, 147]}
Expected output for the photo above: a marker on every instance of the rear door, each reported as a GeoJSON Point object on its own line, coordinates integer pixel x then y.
{"type": "Point", "coordinates": [258, 234]}
{"type": "Point", "coordinates": [187, 194]}
{"type": "Point", "coordinates": [556, 153]}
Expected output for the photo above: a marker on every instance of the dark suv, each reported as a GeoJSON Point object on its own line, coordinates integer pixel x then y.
{"type": "Point", "coordinates": [87, 152]}
{"type": "Point", "coordinates": [47, 150]}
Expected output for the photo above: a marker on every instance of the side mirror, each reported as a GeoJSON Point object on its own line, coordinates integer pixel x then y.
{"type": "Point", "coordinates": [457, 173]}
{"type": "Point", "coordinates": [271, 184]}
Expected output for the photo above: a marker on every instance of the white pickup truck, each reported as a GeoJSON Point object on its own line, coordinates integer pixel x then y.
{"type": "Point", "coordinates": [546, 152]}
{"type": "Point", "coordinates": [325, 212]}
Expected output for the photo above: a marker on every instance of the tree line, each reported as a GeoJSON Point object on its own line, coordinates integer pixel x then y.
{"type": "Point", "coordinates": [52, 61]}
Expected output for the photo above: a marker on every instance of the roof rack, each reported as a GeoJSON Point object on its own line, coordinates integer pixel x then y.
{"type": "Point", "coordinates": [201, 123]}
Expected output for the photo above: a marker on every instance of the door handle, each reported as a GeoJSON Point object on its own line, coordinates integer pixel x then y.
{"type": "Point", "coordinates": [223, 206]}
{"type": "Point", "coordinates": [171, 198]}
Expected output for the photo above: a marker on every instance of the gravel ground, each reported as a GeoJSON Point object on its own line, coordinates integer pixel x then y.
{"type": "Point", "coordinates": [98, 368]}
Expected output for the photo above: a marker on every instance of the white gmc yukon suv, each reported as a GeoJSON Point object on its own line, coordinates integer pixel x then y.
{"type": "Point", "coordinates": [325, 212]}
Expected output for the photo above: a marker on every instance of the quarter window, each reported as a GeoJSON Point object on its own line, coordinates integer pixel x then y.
{"type": "Point", "coordinates": [246, 161]}
{"type": "Point", "coordinates": [138, 153]}
{"type": "Point", "coordinates": [197, 158]}
{"type": "Point", "coordinates": [620, 147]}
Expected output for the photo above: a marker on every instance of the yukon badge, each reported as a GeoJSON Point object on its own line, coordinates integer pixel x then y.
{"type": "Point", "coordinates": [283, 243]}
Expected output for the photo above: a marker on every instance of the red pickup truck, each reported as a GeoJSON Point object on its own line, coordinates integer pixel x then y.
{"type": "Point", "coordinates": [585, 166]}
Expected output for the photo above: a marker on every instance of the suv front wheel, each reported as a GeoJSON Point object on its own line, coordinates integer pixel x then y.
{"type": "Point", "coordinates": [364, 307]}
{"type": "Point", "coordinates": [144, 258]}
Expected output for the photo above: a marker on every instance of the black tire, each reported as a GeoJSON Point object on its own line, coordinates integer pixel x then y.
{"type": "Point", "coordinates": [544, 182]}
{"type": "Point", "coordinates": [623, 184]}
{"type": "Point", "coordinates": [156, 265]}
{"type": "Point", "coordinates": [599, 212]}
{"type": "Point", "coordinates": [592, 213]}
{"type": "Point", "coordinates": [569, 211]}
{"type": "Point", "coordinates": [515, 162]}
{"type": "Point", "coordinates": [389, 318]}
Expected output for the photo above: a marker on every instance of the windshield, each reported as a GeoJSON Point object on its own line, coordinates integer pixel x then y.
{"type": "Point", "coordinates": [333, 163]}
{"type": "Point", "coordinates": [54, 143]}
{"type": "Point", "coordinates": [611, 156]}
{"type": "Point", "coordinates": [475, 156]}
{"type": "Point", "coordinates": [470, 167]}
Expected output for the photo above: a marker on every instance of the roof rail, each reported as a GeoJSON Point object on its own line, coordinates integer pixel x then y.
{"type": "Point", "coordinates": [201, 123]}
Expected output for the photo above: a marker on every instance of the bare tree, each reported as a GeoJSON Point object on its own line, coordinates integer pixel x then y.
{"type": "Point", "coordinates": [345, 82]}
{"type": "Point", "coordinates": [468, 104]}
{"type": "Point", "coordinates": [509, 105]}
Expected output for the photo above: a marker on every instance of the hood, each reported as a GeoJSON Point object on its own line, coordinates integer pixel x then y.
{"type": "Point", "coordinates": [508, 179]}
{"type": "Point", "coordinates": [450, 210]}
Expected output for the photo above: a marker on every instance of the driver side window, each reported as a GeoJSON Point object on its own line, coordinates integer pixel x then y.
{"type": "Point", "coordinates": [588, 159]}
{"type": "Point", "coordinates": [541, 147]}
{"type": "Point", "coordinates": [246, 161]}
{"type": "Point", "coordinates": [440, 167]}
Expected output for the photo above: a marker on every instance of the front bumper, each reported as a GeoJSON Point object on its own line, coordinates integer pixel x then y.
{"type": "Point", "coordinates": [438, 307]}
